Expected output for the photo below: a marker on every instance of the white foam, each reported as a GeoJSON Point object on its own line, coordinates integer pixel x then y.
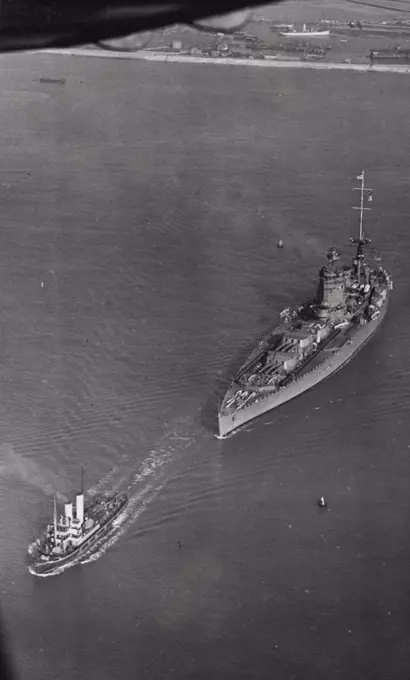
{"type": "Point", "coordinates": [102, 483]}
{"type": "Point", "coordinates": [121, 524]}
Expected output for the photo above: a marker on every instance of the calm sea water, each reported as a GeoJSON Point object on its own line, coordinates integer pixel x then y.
{"type": "Point", "coordinates": [141, 205]}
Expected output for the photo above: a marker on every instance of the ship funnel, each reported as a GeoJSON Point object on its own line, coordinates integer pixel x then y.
{"type": "Point", "coordinates": [68, 511]}
{"type": "Point", "coordinates": [79, 510]}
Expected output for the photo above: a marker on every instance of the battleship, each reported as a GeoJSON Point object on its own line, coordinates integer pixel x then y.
{"type": "Point", "coordinates": [71, 534]}
{"type": "Point", "coordinates": [315, 340]}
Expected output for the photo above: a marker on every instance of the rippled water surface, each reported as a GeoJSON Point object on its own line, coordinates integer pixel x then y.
{"type": "Point", "coordinates": [141, 205]}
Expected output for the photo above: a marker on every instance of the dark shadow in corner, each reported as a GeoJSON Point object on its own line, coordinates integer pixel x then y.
{"type": "Point", "coordinates": [5, 655]}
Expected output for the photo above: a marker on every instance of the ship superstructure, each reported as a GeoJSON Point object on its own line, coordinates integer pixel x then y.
{"type": "Point", "coordinates": [72, 532]}
{"type": "Point", "coordinates": [315, 340]}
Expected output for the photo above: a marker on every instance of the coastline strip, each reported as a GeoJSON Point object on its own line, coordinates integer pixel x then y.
{"type": "Point", "coordinates": [228, 61]}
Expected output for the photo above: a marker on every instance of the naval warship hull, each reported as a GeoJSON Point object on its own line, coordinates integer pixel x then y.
{"type": "Point", "coordinates": [335, 353]}
{"type": "Point", "coordinates": [39, 566]}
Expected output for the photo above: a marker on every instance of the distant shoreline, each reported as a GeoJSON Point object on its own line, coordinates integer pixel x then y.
{"type": "Point", "coordinates": [228, 61]}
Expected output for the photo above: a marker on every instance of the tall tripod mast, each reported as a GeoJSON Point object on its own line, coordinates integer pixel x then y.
{"type": "Point", "coordinates": [362, 240]}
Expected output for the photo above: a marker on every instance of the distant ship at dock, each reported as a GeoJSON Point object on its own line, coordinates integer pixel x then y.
{"type": "Point", "coordinates": [291, 32]}
{"type": "Point", "coordinates": [314, 341]}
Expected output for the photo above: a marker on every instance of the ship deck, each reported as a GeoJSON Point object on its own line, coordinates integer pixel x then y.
{"type": "Point", "coordinates": [333, 345]}
{"type": "Point", "coordinates": [267, 343]}
{"type": "Point", "coordinates": [330, 346]}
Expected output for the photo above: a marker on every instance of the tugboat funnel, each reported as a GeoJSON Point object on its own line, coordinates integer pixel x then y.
{"type": "Point", "coordinates": [79, 510]}
{"type": "Point", "coordinates": [68, 511]}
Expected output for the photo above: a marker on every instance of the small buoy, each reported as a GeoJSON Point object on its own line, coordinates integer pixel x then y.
{"type": "Point", "coordinates": [322, 503]}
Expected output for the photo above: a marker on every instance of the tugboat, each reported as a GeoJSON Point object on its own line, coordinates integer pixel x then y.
{"type": "Point", "coordinates": [72, 533]}
{"type": "Point", "coordinates": [322, 503]}
{"type": "Point", "coordinates": [314, 340]}
{"type": "Point", "coordinates": [279, 244]}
